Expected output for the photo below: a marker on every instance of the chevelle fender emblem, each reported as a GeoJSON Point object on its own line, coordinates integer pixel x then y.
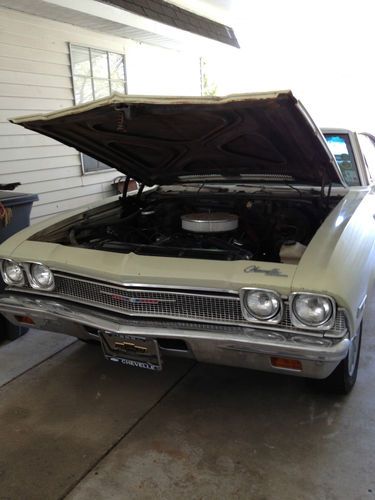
{"type": "Point", "coordinates": [136, 300]}
{"type": "Point", "coordinates": [268, 272]}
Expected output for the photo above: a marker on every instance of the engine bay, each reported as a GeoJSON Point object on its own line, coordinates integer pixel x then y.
{"type": "Point", "coordinates": [218, 226]}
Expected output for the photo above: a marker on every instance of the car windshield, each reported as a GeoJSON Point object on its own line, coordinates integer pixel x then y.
{"type": "Point", "coordinates": [340, 146]}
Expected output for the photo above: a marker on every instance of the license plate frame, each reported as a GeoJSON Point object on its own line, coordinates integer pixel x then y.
{"type": "Point", "coordinates": [131, 350]}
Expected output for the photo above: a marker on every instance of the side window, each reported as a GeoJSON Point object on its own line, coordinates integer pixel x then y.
{"type": "Point", "coordinates": [96, 74]}
{"type": "Point", "coordinates": [368, 151]}
{"type": "Point", "coordinates": [341, 148]}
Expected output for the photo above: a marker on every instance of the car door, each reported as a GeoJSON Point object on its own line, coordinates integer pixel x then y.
{"type": "Point", "coordinates": [341, 143]}
{"type": "Point", "coordinates": [367, 145]}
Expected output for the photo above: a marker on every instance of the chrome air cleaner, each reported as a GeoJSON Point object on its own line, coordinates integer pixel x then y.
{"type": "Point", "coordinates": [209, 222]}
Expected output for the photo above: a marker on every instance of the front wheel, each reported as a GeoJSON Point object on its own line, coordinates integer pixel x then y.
{"type": "Point", "coordinates": [343, 378]}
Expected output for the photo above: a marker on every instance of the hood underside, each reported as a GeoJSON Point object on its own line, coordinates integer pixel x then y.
{"type": "Point", "coordinates": [166, 140]}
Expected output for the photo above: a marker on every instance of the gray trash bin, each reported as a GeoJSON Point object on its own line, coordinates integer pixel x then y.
{"type": "Point", "coordinates": [20, 205]}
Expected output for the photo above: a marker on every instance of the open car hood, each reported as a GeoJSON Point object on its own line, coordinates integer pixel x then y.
{"type": "Point", "coordinates": [165, 140]}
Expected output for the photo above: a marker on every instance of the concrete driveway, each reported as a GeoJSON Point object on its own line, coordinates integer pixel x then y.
{"type": "Point", "coordinates": [73, 425]}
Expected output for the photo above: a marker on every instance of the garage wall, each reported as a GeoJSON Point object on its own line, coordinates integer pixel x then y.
{"type": "Point", "coordinates": [35, 77]}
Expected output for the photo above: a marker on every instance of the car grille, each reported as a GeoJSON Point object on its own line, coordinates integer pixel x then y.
{"type": "Point", "coordinates": [152, 302]}
{"type": "Point", "coordinates": [187, 305]}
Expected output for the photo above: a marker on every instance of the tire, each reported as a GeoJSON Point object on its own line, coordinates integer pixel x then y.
{"type": "Point", "coordinates": [343, 378]}
{"type": "Point", "coordinates": [8, 331]}
{"type": "Point", "coordinates": [90, 341]}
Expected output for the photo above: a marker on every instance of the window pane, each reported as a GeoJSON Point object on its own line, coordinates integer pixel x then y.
{"type": "Point", "coordinates": [101, 88]}
{"type": "Point", "coordinates": [99, 64]}
{"type": "Point", "coordinates": [92, 79]}
{"type": "Point", "coordinates": [102, 166]}
{"type": "Point", "coordinates": [117, 86]}
{"type": "Point", "coordinates": [81, 61]}
{"type": "Point", "coordinates": [339, 144]}
{"type": "Point", "coordinates": [116, 65]}
{"type": "Point", "coordinates": [92, 165]}
{"type": "Point", "coordinates": [82, 89]}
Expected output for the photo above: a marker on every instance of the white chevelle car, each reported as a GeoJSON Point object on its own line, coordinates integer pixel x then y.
{"type": "Point", "coordinates": [250, 241]}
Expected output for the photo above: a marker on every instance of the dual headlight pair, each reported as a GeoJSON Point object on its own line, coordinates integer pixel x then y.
{"type": "Point", "coordinates": [39, 276]}
{"type": "Point", "coordinates": [306, 309]}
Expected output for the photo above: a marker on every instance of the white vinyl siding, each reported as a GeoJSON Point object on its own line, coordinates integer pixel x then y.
{"type": "Point", "coordinates": [35, 76]}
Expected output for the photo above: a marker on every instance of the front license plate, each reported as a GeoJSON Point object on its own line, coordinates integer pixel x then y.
{"type": "Point", "coordinates": [130, 350]}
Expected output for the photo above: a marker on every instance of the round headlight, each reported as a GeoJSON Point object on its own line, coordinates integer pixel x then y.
{"type": "Point", "coordinates": [13, 273]}
{"type": "Point", "coordinates": [312, 310]}
{"type": "Point", "coordinates": [42, 277]}
{"type": "Point", "coordinates": [262, 304]}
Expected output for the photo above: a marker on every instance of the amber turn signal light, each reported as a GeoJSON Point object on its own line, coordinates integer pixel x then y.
{"type": "Point", "coordinates": [25, 319]}
{"type": "Point", "coordinates": [290, 364]}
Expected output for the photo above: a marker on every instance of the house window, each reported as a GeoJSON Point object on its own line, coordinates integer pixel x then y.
{"type": "Point", "coordinates": [96, 73]}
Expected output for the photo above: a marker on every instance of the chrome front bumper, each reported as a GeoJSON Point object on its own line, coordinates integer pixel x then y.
{"type": "Point", "coordinates": [246, 347]}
